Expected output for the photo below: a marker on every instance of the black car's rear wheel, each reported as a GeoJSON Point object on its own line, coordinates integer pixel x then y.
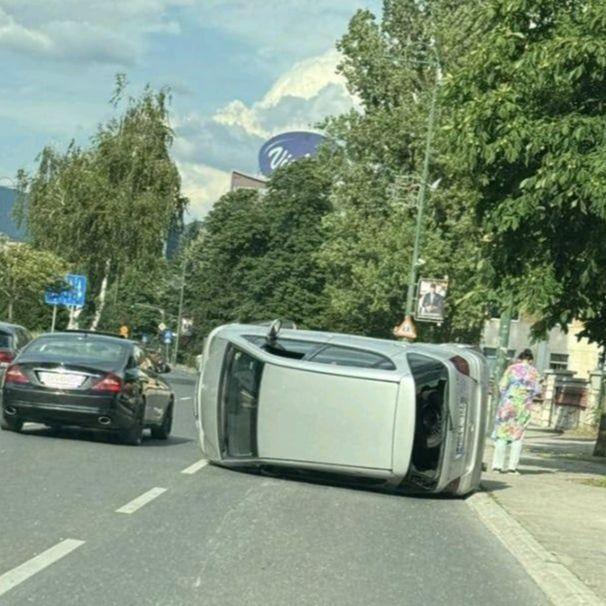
{"type": "Point", "coordinates": [134, 435]}
{"type": "Point", "coordinates": [163, 431]}
{"type": "Point", "coordinates": [10, 423]}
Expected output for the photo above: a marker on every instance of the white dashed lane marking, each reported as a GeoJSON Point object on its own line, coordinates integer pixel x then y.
{"type": "Point", "coordinates": [195, 467]}
{"type": "Point", "coordinates": [16, 576]}
{"type": "Point", "coordinates": [186, 398]}
{"type": "Point", "coordinates": [145, 498]}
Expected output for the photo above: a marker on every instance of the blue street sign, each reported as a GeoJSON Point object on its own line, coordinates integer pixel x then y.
{"type": "Point", "coordinates": [73, 296]}
{"type": "Point", "coordinates": [286, 148]}
{"type": "Point", "coordinates": [168, 337]}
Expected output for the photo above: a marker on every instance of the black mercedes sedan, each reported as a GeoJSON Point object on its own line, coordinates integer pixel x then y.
{"type": "Point", "coordinates": [88, 380]}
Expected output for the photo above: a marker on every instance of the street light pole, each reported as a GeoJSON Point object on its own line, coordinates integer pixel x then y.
{"type": "Point", "coordinates": [502, 359]}
{"type": "Point", "coordinates": [179, 314]}
{"type": "Point", "coordinates": [422, 194]}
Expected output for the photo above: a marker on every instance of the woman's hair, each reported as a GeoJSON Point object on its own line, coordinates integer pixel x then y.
{"type": "Point", "coordinates": [526, 354]}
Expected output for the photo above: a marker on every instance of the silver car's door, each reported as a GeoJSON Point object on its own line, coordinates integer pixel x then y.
{"type": "Point", "coordinates": [327, 416]}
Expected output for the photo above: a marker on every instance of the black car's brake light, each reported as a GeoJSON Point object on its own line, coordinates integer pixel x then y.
{"type": "Point", "coordinates": [461, 364]}
{"type": "Point", "coordinates": [110, 383]}
{"type": "Point", "coordinates": [15, 375]}
{"type": "Point", "coordinates": [6, 357]}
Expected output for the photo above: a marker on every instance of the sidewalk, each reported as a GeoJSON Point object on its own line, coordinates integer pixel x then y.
{"type": "Point", "coordinates": [556, 499]}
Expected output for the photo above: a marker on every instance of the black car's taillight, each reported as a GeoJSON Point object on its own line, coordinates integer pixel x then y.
{"type": "Point", "coordinates": [15, 375]}
{"type": "Point", "coordinates": [110, 383]}
{"type": "Point", "coordinates": [6, 357]}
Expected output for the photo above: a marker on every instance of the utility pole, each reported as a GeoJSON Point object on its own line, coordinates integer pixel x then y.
{"type": "Point", "coordinates": [54, 323]}
{"type": "Point", "coordinates": [180, 313]}
{"type": "Point", "coordinates": [600, 445]}
{"type": "Point", "coordinates": [412, 280]}
{"type": "Point", "coordinates": [501, 361]}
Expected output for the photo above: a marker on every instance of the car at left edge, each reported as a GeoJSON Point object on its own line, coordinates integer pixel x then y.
{"type": "Point", "coordinates": [89, 380]}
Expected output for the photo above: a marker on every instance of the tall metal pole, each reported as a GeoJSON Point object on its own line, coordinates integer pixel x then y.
{"type": "Point", "coordinates": [600, 445]}
{"type": "Point", "coordinates": [180, 314]}
{"type": "Point", "coordinates": [501, 361]}
{"type": "Point", "coordinates": [422, 195]}
{"type": "Point", "coordinates": [54, 318]}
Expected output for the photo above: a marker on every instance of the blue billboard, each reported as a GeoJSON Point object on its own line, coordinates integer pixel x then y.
{"type": "Point", "coordinates": [73, 296]}
{"type": "Point", "coordinates": [286, 148]}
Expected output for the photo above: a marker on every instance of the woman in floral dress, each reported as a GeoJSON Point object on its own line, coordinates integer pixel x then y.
{"type": "Point", "coordinates": [518, 387]}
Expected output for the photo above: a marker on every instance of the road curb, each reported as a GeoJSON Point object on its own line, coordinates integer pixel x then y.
{"type": "Point", "coordinates": [559, 584]}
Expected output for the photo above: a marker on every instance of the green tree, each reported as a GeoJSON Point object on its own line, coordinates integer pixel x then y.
{"type": "Point", "coordinates": [287, 280]}
{"type": "Point", "coordinates": [377, 161]}
{"type": "Point", "coordinates": [227, 247]}
{"type": "Point", "coordinates": [527, 130]}
{"type": "Point", "coordinates": [109, 206]}
{"type": "Point", "coordinates": [255, 257]}
{"type": "Point", "coordinates": [141, 299]}
{"type": "Point", "coordinates": [25, 273]}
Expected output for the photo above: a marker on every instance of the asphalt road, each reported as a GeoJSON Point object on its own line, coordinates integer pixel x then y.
{"type": "Point", "coordinates": [221, 537]}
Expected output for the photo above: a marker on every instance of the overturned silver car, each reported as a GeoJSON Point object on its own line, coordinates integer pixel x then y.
{"type": "Point", "coordinates": [410, 417]}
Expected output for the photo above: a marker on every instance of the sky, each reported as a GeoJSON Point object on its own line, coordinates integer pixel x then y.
{"type": "Point", "coordinates": [240, 71]}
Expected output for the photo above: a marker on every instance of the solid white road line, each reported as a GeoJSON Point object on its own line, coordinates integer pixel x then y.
{"type": "Point", "coordinates": [14, 577]}
{"type": "Point", "coordinates": [195, 467]}
{"type": "Point", "coordinates": [145, 498]}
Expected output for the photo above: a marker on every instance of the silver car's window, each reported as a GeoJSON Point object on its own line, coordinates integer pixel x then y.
{"type": "Point", "coordinates": [320, 353]}
{"type": "Point", "coordinates": [239, 395]}
{"type": "Point", "coordinates": [348, 356]}
{"type": "Point", "coordinates": [291, 348]}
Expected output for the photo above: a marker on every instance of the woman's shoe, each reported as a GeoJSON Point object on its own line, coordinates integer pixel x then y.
{"type": "Point", "coordinates": [515, 472]}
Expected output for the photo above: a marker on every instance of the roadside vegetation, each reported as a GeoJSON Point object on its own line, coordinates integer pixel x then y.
{"type": "Point", "coordinates": [516, 213]}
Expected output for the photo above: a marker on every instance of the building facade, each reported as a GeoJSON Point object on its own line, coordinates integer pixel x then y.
{"type": "Point", "coordinates": [560, 351]}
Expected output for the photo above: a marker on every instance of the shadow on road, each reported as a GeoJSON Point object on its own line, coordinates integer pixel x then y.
{"type": "Point", "coordinates": [334, 481]}
{"type": "Point", "coordinates": [92, 435]}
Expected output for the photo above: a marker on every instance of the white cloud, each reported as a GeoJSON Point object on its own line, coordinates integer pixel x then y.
{"type": "Point", "coordinates": [203, 185]}
{"type": "Point", "coordinates": [279, 31]}
{"type": "Point", "coordinates": [305, 79]}
{"type": "Point", "coordinates": [21, 39]}
{"type": "Point", "coordinates": [239, 114]}
{"type": "Point", "coordinates": [94, 31]}
{"type": "Point", "coordinates": [209, 147]}
{"type": "Point", "coordinates": [301, 97]}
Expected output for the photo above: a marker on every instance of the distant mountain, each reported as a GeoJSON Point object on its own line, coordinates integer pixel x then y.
{"type": "Point", "coordinates": [8, 226]}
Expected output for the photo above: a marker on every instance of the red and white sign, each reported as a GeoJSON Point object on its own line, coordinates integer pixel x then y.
{"type": "Point", "coordinates": [406, 330]}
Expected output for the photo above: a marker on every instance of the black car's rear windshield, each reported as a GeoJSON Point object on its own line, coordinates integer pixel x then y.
{"type": "Point", "coordinates": [6, 340]}
{"type": "Point", "coordinates": [78, 348]}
